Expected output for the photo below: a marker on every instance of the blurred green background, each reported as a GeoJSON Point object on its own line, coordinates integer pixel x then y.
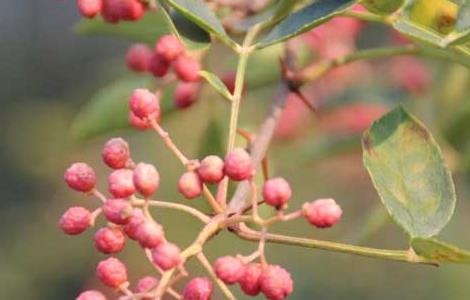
{"type": "Point", "coordinates": [48, 74]}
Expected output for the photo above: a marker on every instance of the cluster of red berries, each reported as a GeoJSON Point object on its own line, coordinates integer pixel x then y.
{"type": "Point", "coordinates": [112, 11]}
{"type": "Point", "coordinates": [272, 280]}
{"type": "Point", "coordinates": [168, 52]}
{"type": "Point", "coordinates": [126, 219]}
{"type": "Point", "coordinates": [237, 166]}
{"type": "Point", "coordinates": [124, 181]}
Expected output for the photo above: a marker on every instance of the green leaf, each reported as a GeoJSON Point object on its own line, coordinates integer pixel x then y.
{"type": "Point", "coordinates": [199, 13]}
{"type": "Point", "coordinates": [305, 19]}
{"type": "Point", "coordinates": [245, 24]}
{"type": "Point", "coordinates": [463, 19]}
{"type": "Point", "coordinates": [147, 30]}
{"type": "Point", "coordinates": [417, 32]}
{"type": "Point", "coordinates": [216, 83]}
{"type": "Point", "coordinates": [212, 140]}
{"type": "Point", "coordinates": [439, 251]}
{"type": "Point", "coordinates": [462, 33]}
{"type": "Point", "coordinates": [409, 173]}
{"type": "Point", "coordinates": [426, 35]}
{"type": "Point", "coordinates": [108, 109]}
{"type": "Point", "coordinates": [193, 36]}
{"type": "Point", "coordinates": [269, 17]}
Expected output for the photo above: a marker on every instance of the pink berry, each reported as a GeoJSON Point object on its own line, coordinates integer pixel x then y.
{"type": "Point", "coordinates": [89, 8]}
{"type": "Point", "coordinates": [149, 234]}
{"type": "Point", "coordinates": [276, 283]}
{"type": "Point", "coordinates": [211, 169]}
{"type": "Point", "coordinates": [116, 153]}
{"type": "Point", "coordinates": [138, 123]}
{"type": "Point", "coordinates": [145, 284]}
{"type": "Point", "coordinates": [91, 295]}
{"type": "Point", "coordinates": [80, 177]}
{"type": "Point", "coordinates": [190, 185]}
{"type": "Point", "coordinates": [187, 68]}
{"type": "Point", "coordinates": [167, 256]}
{"type": "Point", "coordinates": [249, 282]}
{"type": "Point", "coordinates": [112, 272]}
{"type": "Point", "coordinates": [138, 58]}
{"type": "Point", "coordinates": [229, 269]}
{"type": "Point", "coordinates": [131, 10]}
{"type": "Point", "coordinates": [136, 219]}
{"type": "Point", "coordinates": [186, 93]}
{"type": "Point", "coordinates": [109, 240]}
{"type": "Point", "coordinates": [145, 104]}
{"type": "Point", "coordinates": [111, 11]}
{"type": "Point", "coordinates": [199, 288]}
{"type": "Point", "coordinates": [75, 220]}
{"type": "Point", "coordinates": [146, 179]}
{"type": "Point", "coordinates": [159, 66]}
{"type": "Point", "coordinates": [121, 184]}
{"type": "Point", "coordinates": [169, 47]}
{"type": "Point", "coordinates": [276, 192]}
{"type": "Point", "coordinates": [238, 165]}
{"type": "Point", "coordinates": [322, 213]}
{"type": "Point", "coordinates": [411, 74]}
{"type": "Point", "coordinates": [117, 211]}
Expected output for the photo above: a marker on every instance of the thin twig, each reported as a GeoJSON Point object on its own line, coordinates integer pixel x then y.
{"type": "Point", "coordinates": [185, 161]}
{"type": "Point", "coordinates": [206, 264]}
{"type": "Point", "coordinates": [261, 143]}
{"type": "Point", "coordinates": [176, 206]}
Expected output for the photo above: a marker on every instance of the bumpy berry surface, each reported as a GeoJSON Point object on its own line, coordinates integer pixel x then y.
{"type": "Point", "coordinates": [138, 58]}
{"type": "Point", "coordinates": [91, 295]}
{"type": "Point", "coordinates": [249, 281]}
{"type": "Point", "coordinates": [116, 153]}
{"type": "Point", "coordinates": [111, 11]}
{"type": "Point", "coordinates": [121, 183]}
{"type": "Point", "coordinates": [199, 288]}
{"type": "Point", "coordinates": [169, 47]}
{"type": "Point", "coordinates": [229, 269]}
{"type": "Point", "coordinates": [145, 104]}
{"type": "Point", "coordinates": [145, 284]}
{"type": "Point", "coordinates": [146, 179]}
{"type": "Point", "coordinates": [149, 234]}
{"type": "Point", "coordinates": [322, 213]}
{"type": "Point", "coordinates": [166, 256]}
{"type": "Point", "coordinates": [238, 165]}
{"type": "Point", "coordinates": [117, 211]}
{"type": "Point", "coordinates": [211, 169]}
{"type": "Point", "coordinates": [276, 283]}
{"type": "Point", "coordinates": [110, 240]}
{"type": "Point", "coordinates": [159, 66]}
{"type": "Point", "coordinates": [276, 192]}
{"type": "Point", "coordinates": [187, 68]}
{"type": "Point", "coordinates": [131, 10]}
{"type": "Point", "coordinates": [75, 220]}
{"type": "Point", "coordinates": [190, 185]}
{"type": "Point", "coordinates": [137, 218]}
{"type": "Point", "coordinates": [138, 123]}
{"type": "Point", "coordinates": [112, 272]}
{"type": "Point", "coordinates": [186, 93]}
{"type": "Point", "coordinates": [80, 177]}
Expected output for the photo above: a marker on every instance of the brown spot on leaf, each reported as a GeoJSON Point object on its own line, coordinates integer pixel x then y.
{"type": "Point", "coordinates": [367, 142]}
{"type": "Point", "coordinates": [421, 131]}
